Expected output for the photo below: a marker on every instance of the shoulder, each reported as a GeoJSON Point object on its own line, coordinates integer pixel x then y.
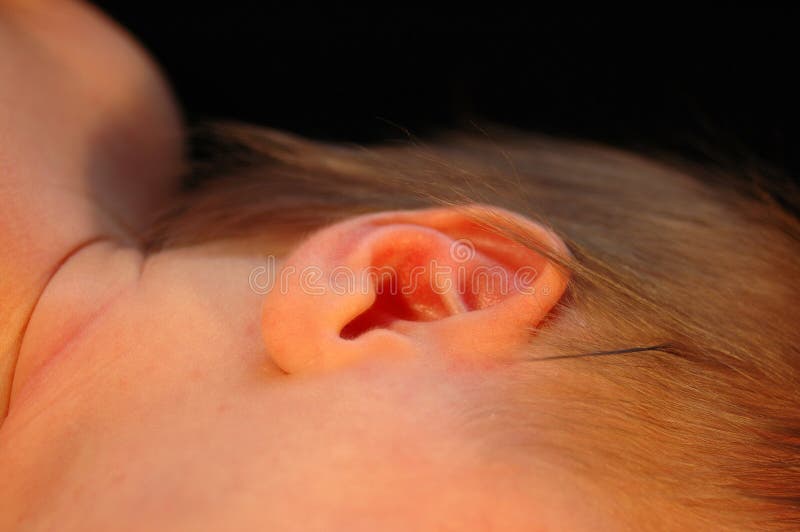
{"type": "Point", "coordinates": [91, 144]}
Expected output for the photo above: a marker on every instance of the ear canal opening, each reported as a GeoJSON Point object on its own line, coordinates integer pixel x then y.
{"type": "Point", "coordinates": [389, 306]}
{"type": "Point", "coordinates": [395, 300]}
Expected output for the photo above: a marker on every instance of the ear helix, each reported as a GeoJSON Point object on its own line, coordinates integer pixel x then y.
{"type": "Point", "coordinates": [420, 282]}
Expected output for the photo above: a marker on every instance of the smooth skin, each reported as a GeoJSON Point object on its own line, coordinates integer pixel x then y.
{"type": "Point", "coordinates": [163, 392]}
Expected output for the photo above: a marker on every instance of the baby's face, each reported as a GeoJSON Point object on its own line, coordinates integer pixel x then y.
{"type": "Point", "coordinates": [165, 415]}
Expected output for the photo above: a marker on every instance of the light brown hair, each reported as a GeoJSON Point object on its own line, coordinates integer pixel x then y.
{"type": "Point", "coordinates": [679, 328]}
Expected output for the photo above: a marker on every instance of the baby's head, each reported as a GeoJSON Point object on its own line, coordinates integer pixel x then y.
{"type": "Point", "coordinates": [516, 333]}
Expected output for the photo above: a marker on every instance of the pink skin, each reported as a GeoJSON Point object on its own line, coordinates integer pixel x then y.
{"type": "Point", "coordinates": [164, 393]}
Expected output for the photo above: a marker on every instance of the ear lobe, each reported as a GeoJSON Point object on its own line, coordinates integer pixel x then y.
{"type": "Point", "coordinates": [435, 282]}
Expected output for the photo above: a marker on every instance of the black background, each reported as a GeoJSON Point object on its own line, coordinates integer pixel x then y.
{"type": "Point", "coordinates": [720, 84]}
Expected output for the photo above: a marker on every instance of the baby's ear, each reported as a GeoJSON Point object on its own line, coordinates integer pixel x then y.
{"type": "Point", "coordinates": [436, 282]}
